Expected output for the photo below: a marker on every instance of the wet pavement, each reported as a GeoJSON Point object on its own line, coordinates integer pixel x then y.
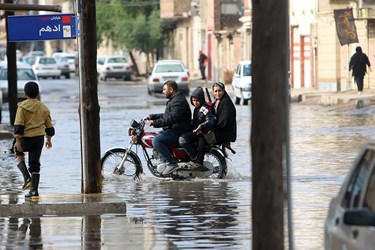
{"type": "Point", "coordinates": [163, 214]}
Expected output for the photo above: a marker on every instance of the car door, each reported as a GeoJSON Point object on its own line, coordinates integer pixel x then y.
{"type": "Point", "coordinates": [236, 80]}
{"type": "Point", "coordinates": [363, 236]}
{"type": "Point", "coordinates": [351, 196]}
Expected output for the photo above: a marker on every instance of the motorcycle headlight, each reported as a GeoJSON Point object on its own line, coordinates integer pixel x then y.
{"type": "Point", "coordinates": [131, 131]}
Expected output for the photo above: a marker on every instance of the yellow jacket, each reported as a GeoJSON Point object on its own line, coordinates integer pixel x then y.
{"type": "Point", "coordinates": [33, 119]}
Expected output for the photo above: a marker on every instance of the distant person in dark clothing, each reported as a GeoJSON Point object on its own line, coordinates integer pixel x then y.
{"type": "Point", "coordinates": [202, 64]}
{"type": "Point", "coordinates": [358, 64]}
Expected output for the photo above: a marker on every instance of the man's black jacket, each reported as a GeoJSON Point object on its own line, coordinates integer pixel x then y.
{"type": "Point", "coordinates": [177, 115]}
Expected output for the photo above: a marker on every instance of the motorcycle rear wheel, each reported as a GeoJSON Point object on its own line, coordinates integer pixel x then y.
{"type": "Point", "coordinates": [132, 166]}
{"type": "Point", "coordinates": [219, 164]}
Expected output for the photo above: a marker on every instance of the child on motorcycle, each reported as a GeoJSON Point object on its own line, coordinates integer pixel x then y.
{"type": "Point", "coordinates": [204, 120]}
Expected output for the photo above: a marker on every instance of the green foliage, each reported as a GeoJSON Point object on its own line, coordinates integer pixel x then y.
{"type": "Point", "coordinates": [131, 24]}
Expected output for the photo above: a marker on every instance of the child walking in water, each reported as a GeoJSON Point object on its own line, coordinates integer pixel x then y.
{"type": "Point", "coordinates": [32, 123]}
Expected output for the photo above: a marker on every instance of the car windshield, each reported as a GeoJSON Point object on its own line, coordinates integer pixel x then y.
{"type": "Point", "coordinates": [117, 60]}
{"type": "Point", "coordinates": [47, 61]}
{"type": "Point", "coordinates": [247, 70]}
{"type": "Point", "coordinates": [169, 68]}
{"type": "Point", "coordinates": [22, 74]}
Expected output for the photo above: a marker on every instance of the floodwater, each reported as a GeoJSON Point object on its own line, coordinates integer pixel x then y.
{"type": "Point", "coordinates": [195, 214]}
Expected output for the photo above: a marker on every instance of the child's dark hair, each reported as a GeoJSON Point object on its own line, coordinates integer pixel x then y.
{"type": "Point", "coordinates": [31, 89]}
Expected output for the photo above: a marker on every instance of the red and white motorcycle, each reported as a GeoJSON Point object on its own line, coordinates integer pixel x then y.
{"type": "Point", "coordinates": [125, 161]}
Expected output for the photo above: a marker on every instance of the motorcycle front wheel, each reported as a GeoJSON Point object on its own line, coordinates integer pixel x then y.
{"type": "Point", "coordinates": [111, 160]}
{"type": "Point", "coordinates": [218, 162]}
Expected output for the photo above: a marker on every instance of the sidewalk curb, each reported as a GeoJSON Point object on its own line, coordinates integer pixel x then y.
{"type": "Point", "coordinates": [5, 132]}
{"type": "Point", "coordinates": [62, 205]}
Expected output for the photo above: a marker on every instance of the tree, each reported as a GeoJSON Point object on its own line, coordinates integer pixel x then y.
{"type": "Point", "coordinates": [89, 104]}
{"type": "Point", "coordinates": [130, 25]}
{"type": "Point", "coordinates": [269, 144]}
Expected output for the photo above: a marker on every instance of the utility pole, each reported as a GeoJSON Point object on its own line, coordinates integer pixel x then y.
{"type": "Point", "coordinates": [89, 104]}
{"type": "Point", "coordinates": [270, 122]}
{"type": "Point", "coordinates": [12, 71]}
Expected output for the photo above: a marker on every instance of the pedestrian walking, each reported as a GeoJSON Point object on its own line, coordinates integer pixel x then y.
{"type": "Point", "coordinates": [202, 64]}
{"type": "Point", "coordinates": [32, 123]}
{"type": "Point", "coordinates": [358, 64]}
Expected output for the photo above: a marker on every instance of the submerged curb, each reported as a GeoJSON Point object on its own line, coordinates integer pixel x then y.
{"type": "Point", "coordinates": [63, 209]}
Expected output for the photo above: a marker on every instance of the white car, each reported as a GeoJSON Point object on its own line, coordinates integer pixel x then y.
{"type": "Point", "coordinates": [165, 70]}
{"type": "Point", "coordinates": [63, 66]}
{"type": "Point", "coordinates": [46, 66]}
{"type": "Point", "coordinates": [113, 67]}
{"type": "Point", "coordinates": [242, 81]}
{"type": "Point", "coordinates": [25, 73]}
{"type": "Point", "coordinates": [71, 58]}
{"type": "Point", "coordinates": [350, 223]}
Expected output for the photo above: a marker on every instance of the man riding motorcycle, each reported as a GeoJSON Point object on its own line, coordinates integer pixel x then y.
{"type": "Point", "coordinates": [175, 120]}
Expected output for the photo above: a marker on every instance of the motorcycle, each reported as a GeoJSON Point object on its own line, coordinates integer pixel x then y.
{"type": "Point", "coordinates": [125, 161]}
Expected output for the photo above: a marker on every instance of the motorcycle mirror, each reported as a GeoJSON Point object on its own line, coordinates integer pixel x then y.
{"type": "Point", "coordinates": [134, 124]}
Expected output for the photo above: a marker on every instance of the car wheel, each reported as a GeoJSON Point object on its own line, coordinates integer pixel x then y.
{"type": "Point", "coordinates": [58, 77]}
{"type": "Point", "coordinates": [67, 76]}
{"type": "Point", "coordinates": [246, 102]}
{"type": "Point", "coordinates": [238, 100]}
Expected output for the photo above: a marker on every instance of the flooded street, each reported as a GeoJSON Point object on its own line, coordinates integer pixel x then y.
{"type": "Point", "coordinates": [193, 214]}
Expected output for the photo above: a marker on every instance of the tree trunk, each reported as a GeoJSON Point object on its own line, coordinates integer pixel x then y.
{"type": "Point", "coordinates": [135, 66]}
{"type": "Point", "coordinates": [90, 144]}
{"type": "Point", "coordinates": [269, 121]}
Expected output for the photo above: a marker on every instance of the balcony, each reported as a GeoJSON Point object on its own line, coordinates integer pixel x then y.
{"type": "Point", "coordinates": [174, 8]}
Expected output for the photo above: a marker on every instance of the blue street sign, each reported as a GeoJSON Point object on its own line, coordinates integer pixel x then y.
{"type": "Point", "coordinates": [42, 27]}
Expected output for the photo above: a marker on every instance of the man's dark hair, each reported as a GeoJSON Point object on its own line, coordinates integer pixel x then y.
{"type": "Point", "coordinates": [31, 89]}
{"type": "Point", "coordinates": [172, 84]}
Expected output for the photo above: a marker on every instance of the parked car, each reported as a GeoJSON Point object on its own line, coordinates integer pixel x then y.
{"type": "Point", "coordinates": [25, 73]}
{"type": "Point", "coordinates": [241, 82]}
{"type": "Point", "coordinates": [28, 59]}
{"type": "Point", "coordinates": [36, 53]}
{"type": "Point", "coordinates": [113, 67]}
{"type": "Point", "coordinates": [71, 58]}
{"type": "Point", "coordinates": [350, 222]}
{"type": "Point", "coordinates": [46, 66]}
{"type": "Point", "coordinates": [63, 66]}
{"type": "Point", "coordinates": [168, 70]}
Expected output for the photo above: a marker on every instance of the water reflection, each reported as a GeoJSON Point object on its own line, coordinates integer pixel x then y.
{"type": "Point", "coordinates": [194, 214]}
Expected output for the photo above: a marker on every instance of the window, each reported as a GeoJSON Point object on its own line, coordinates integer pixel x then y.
{"type": "Point", "coordinates": [22, 74]}
{"type": "Point", "coordinates": [357, 180]}
{"type": "Point", "coordinates": [370, 193]}
{"type": "Point", "coordinates": [169, 68]}
{"type": "Point", "coordinates": [247, 70]}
